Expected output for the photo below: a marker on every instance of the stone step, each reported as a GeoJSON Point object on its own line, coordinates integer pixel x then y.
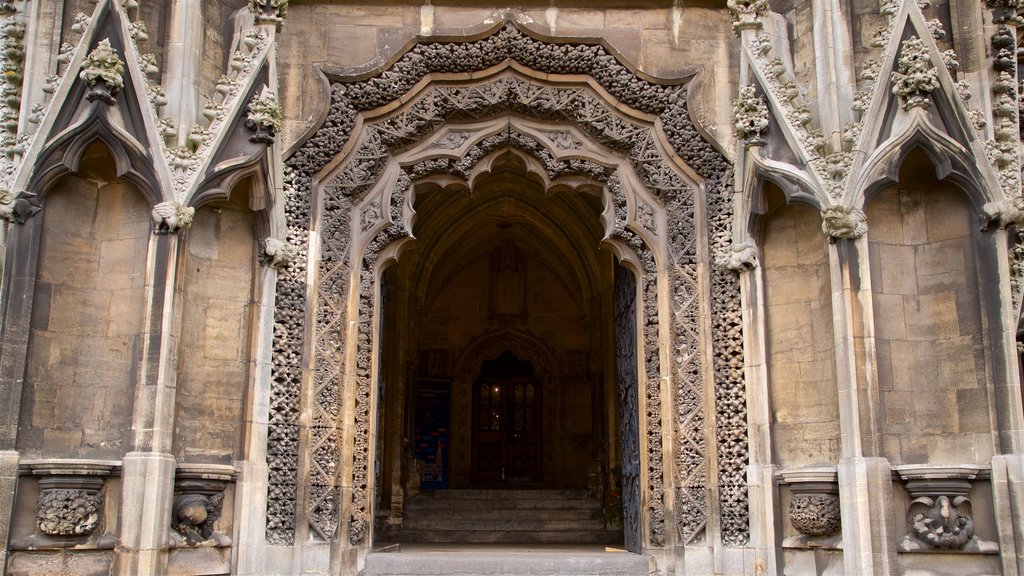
{"type": "Point", "coordinates": [527, 524]}
{"type": "Point", "coordinates": [516, 536]}
{"type": "Point", "coordinates": [503, 494]}
{"type": "Point", "coordinates": [441, 505]}
{"type": "Point", "coordinates": [499, 562]}
{"type": "Point", "coordinates": [484, 513]}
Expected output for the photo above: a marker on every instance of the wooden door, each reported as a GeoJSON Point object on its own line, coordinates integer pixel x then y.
{"type": "Point", "coordinates": [507, 433]}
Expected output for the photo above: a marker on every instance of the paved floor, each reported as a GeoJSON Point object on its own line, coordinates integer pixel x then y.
{"type": "Point", "coordinates": [505, 560]}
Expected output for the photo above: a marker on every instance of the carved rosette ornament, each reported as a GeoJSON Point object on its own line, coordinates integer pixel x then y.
{"type": "Point", "coordinates": [263, 117]}
{"type": "Point", "coordinates": [843, 223]}
{"type": "Point", "coordinates": [750, 113]}
{"type": "Point", "coordinates": [915, 77]}
{"type": "Point", "coordinates": [940, 518]}
{"type": "Point", "coordinates": [172, 217]}
{"type": "Point", "coordinates": [103, 71]}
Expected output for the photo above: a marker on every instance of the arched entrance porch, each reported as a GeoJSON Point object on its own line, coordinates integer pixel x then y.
{"type": "Point", "coordinates": [657, 215]}
{"type": "Point", "coordinates": [497, 367]}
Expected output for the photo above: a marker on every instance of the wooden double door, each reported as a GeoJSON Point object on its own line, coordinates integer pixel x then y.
{"type": "Point", "coordinates": [507, 430]}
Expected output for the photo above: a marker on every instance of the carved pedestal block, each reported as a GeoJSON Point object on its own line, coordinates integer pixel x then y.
{"type": "Point", "coordinates": [939, 518]}
{"type": "Point", "coordinates": [813, 508]}
{"type": "Point", "coordinates": [198, 504]}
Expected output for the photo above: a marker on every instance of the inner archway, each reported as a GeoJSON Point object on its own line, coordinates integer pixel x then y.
{"type": "Point", "coordinates": [497, 331]}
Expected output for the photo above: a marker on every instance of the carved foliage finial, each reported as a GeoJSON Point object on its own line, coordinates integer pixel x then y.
{"type": "Point", "coordinates": [264, 116]}
{"type": "Point", "coordinates": [103, 71]}
{"type": "Point", "coordinates": [751, 114]}
{"type": "Point", "coordinates": [269, 11]}
{"type": "Point", "coordinates": [170, 217]}
{"type": "Point", "coordinates": [915, 77]}
{"type": "Point", "coordinates": [843, 222]}
{"type": "Point", "coordinates": [747, 13]}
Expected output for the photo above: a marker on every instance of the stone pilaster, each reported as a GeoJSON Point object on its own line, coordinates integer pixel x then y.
{"type": "Point", "coordinates": [865, 499]}
{"type": "Point", "coordinates": [147, 488]}
{"type": "Point", "coordinates": [1008, 501]}
{"type": "Point", "coordinates": [8, 489]}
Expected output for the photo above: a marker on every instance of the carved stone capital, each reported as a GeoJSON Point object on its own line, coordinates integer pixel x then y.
{"type": "Point", "coordinates": [277, 253]}
{"type": "Point", "coordinates": [103, 71]}
{"type": "Point", "coordinates": [171, 217]}
{"type": "Point", "coordinates": [70, 502]}
{"type": "Point", "coordinates": [843, 222]}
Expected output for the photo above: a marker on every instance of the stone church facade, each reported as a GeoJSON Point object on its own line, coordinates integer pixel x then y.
{"type": "Point", "coordinates": [746, 276]}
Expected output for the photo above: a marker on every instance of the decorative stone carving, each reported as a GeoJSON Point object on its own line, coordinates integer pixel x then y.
{"type": "Point", "coordinates": [171, 217]}
{"type": "Point", "coordinates": [69, 507]}
{"type": "Point", "coordinates": [592, 117]}
{"type": "Point", "coordinates": [269, 11]}
{"type": "Point", "coordinates": [68, 512]}
{"type": "Point", "coordinates": [103, 71]}
{"type": "Point", "coordinates": [940, 519]}
{"type": "Point", "coordinates": [263, 116]}
{"type": "Point", "coordinates": [843, 222]}
{"type": "Point", "coordinates": [1004, 214]}
{"type": "Point", "coordinates": [452, 140]}
{"type": "Point", "coordinates": [193, 516]}
{"type": "Point", "coordinates": [198, 504]}
{"type": "Point", "coordinates": [18, 208]}
{"type": "Point", "coordinates": [747, 13]}
{"type": "Point", "coordinates": [915, 77]}
{"type": "Point", "coordinates": [751, 114]}
{"type": "Point", "coordinates": [277, 254]}
{"type": "Point", "coordinates": [813, 508]}
{"type": "Point", "coordinates": [741, 257]}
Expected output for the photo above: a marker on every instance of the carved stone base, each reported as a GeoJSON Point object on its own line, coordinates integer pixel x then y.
{"type": "Point", "coordinates": [939, 518]}
{"type": "Point", "coordinates": [198, 504]}
{"type": "Point", "coordinates": [814, 509]}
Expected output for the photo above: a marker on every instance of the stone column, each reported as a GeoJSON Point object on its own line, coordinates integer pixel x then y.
{"type": "Point", "coordinates": [148, 470]}
{"type": "Point", "coordinates": [865, 484]}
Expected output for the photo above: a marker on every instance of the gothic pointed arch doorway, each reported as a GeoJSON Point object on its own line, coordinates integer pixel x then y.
{"type": "Point", "coordinates": [505, 132]}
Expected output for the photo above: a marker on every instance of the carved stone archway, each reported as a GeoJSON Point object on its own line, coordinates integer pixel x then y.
{"type": "Point", "coordinates": [668, 196]}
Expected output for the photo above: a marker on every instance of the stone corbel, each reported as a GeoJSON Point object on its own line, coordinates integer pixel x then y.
{"type": "Point", "coordinates": [939, 518]}
{"type": "Point", "coordinates": [813, 508]}
{"type": "Point", "coordinates": [18, 208]}
{"type": "Point", "coordinates": [276, 253]}
{"type": "Point", "coordinates": [747, 14]}
{"type": "Point", "coordinates": [198, 504]}
{"type": "Point", "coordinates": [1002, 215]}
{"type": "Point", "coordinates": [70, 504]}
{"type": "Point", "coordinates": [741, 257]}
{"type": "Point", "coordinates": [172, 217]}
{"type": "Point", "coordinates": [843, 222]}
